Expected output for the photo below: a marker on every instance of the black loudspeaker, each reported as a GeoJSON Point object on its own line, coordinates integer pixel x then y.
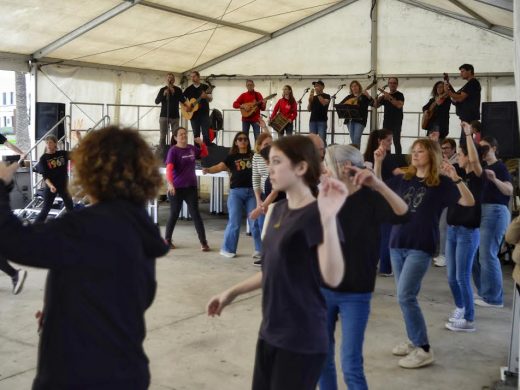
{"type": "Point", "coordinates": [500, 120]}
{"type": "Point", "coordinates": [216, 154]}
{"type": "Point", "coordinates": [47, 115]}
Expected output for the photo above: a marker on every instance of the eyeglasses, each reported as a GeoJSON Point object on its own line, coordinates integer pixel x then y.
{"type": "Point", "coordinates": [242, 139]}
{"type": "Point", "coordinates": [446, 148]}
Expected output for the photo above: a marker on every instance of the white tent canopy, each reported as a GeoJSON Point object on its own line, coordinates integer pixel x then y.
{"type": "Point", "coordinates": [175, 35]}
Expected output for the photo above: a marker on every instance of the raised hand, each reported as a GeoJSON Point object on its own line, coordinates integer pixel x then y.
{"type": "Point", "coordinates": [449, 170]}
{"type": "Point", "coordinates": [331, 197]}
{"type": "Point", "coordinates": [466, 127]}
{"type": "Point", "coordinates": [379, 154]}
{"type": "Point", "coordinates": [364, 177]}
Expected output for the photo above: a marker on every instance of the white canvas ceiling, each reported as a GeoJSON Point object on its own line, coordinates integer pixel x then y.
{"type": "Point", "coordinates": [177, 35]}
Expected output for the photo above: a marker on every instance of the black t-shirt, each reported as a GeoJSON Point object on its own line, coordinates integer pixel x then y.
{"type": "Point", "coordinates": [441, 116]}
{"type": "Point", "coordinates": [388, 166]}
{"type": "Point", "coordinates": [468, 216]}
{"type": "Point", "coordinates": [491, 192]}
{"type": "Point", "coordinates": [469, 109]}
{"type": "Point", "coordinates": [3, 140]}
{"type": "Point", "coordinates": [360, 219]}
{"type": "Point", "coordinates": [318, 110]}
{"type": "Point", "coordinates": [425, 204]}
{"type": "Point", "coordinates": [54, 167]}
{"type": "Point", "coordinates": [393, 117]}
{"type": "Point", "coordinates": [170, 103]}
{"type": "Point", "coordinates": [362, 102]}
{"type": "Point", "coordinates": [193, 92]}
{"type": "Point", "coordinates": [241, 168]}
{"type": "Point", "coordinates": [293, 308]}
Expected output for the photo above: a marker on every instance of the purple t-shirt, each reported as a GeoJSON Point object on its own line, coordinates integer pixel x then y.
{"type": "Point", "coordinates": [425, 205]}
{"type": "Point", "coordinates": [183, 160]}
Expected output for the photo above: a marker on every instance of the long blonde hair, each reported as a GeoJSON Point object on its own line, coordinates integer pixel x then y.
{"type": "Point", "coordinates": [433, 149]}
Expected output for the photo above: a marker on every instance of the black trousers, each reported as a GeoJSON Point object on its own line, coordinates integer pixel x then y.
{"type": "Point", "coordinates": [279, 369]}
{"type": "Point", "coordinates": [6, 267]}
{"type": "Point", "coordinates": [200, 123]}
{"type": "Point", "coordinates": [396, 133]}
{"type": "Point", "coordinates": [191, 197]}
{"type": "Point", "coordinates": [48, 200]}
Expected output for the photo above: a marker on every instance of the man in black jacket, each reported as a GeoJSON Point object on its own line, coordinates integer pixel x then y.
{"type": "Point", "coordinates": [169, 96]}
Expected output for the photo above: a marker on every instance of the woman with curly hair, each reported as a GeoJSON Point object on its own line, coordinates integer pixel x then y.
{"type": "Point", "coordinates": [413, 243]}
{"type": "Point", "coordinates": [101, 262]}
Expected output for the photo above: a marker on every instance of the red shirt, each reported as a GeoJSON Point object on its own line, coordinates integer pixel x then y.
{"type": "Point", "coordinates": [287, 109]}
{"type": "Point", "coordinates": [248, 97]}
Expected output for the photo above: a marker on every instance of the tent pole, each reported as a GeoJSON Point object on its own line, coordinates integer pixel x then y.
{"type": "Point", "coordinates": [373, 60]}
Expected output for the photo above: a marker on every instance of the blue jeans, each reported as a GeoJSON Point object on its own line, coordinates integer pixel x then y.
{"type": "Point", "coordinates": [410, 266]}
{"type": "Point", "coordinates": [461, 247]}
{"type": "Point", "coordinates": [385, 266]}
{"type": "Point", "coordinates": [319, 128]}
{"type": "Point", "coordinates": [254, 125]}
{"type": "Point", "coordinates": [353, 309]}
{"type": "Point", "coordinates": [487, 273]}
{"type": "Point", "coordinates": [239, 199]}
{"type": "Point", "coordinates": [356, 131]}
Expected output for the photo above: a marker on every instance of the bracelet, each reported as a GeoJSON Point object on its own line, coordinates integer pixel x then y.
{"type": "Point", "coordinates": [457, 181]}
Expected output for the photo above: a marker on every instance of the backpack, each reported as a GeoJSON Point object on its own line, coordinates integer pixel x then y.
{"type": "Point", "coordinates": [216, 120]}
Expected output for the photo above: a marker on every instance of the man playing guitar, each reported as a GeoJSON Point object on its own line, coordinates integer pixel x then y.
{"type": "Point", "coordinates": [200, 119]}
{"type": "Point", "coordinates": [250, 96]}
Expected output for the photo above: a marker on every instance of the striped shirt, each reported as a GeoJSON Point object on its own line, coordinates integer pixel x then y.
{"type": "Point", "coordinates": [260, 172]}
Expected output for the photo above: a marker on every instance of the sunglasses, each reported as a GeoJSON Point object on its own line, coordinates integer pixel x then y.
{"type": "Point", "coordinates": [242, 139]}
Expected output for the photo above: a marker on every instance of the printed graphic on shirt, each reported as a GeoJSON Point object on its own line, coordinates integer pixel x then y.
{"type": "Point", "coordinates": [414, 197]}
{"type": "Point", "coordinates": [242, 164]}
{"type": "Point", "coordinates": [56, 162]}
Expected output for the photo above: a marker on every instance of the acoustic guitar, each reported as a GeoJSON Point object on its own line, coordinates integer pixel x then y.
{"type": "Point", "coordinates": [194, 104]}
{"type": "Point", "coordinates": [354, 100]}
{"type": "Point", "coordinates": [248, 109]}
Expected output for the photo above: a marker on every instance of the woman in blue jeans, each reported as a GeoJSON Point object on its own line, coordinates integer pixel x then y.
{"type": "Point", "coordinates": [463, 237]}
{"type": "Point", "coordinates": [487, 274]}
{"type": "Point", "coordinates": [361, 100]}
{"type": "Point", "coordinates": [241, 195]}
{"type": "Point", "coordinates": [413, 244]}
{"type": "Point", "coordinates": [370, 203]}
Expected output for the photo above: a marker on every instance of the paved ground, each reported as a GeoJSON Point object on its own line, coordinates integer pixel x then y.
{"type": "Point", "coordinates": [188, 350]}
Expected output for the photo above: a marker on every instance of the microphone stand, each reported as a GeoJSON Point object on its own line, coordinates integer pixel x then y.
{"type": "Point", "coordinates": [333, 99]}
{"type": "Point", "coordinates": [300, 109]}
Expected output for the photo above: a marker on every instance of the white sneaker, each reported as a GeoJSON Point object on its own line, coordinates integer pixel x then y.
{"type": "Point", "coordinates": [227, 254]}
{"type": "Point", "coordinates": [460, 326]}
{"type": "Point", "coordinates": [417, 358]}
{"type": "Point", "coordinates": [439, 261]}
{"type": "Point", "coordinates": [456, 314]}
{"type": "Point", "coordinates": [19, 280]}
{"type": "Point", "coordinates": [403, 349]}
{"type": "Point", "coordinates": [257, 255]}
{"type": "Point", "coordinates": [480, 302]}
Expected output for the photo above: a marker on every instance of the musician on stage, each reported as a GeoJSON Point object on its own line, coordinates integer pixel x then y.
{"type": "Point", "coordinates": [393, 102]}
{"type": "Point", "coordinates": [169, 96]}
{"type": "Point", "coordinates": [288, 108]}
{"type": "Point", "coordinates": [439, 109]}
{"type": "Point", "coordinates": [361, 99]}
{"type": "Point", "coordinates": [250, 96]}
{"type": "Point", "coordinates": [200, 121]}
{"type": "Point", "coordinates": [466, 99]}
{"type": "Point", "coordinates": [318, 106]}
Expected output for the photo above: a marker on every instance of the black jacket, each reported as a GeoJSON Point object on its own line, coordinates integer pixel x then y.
{"type": "Point", "coordinates": [101, 280]}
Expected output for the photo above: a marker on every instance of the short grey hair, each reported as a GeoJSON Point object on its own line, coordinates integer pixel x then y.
{"type": "Point", "coordinates": [340, 154]}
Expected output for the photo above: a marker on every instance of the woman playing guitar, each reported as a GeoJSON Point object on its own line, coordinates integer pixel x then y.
{"type": "Point", "coordinates": [436, 113]}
